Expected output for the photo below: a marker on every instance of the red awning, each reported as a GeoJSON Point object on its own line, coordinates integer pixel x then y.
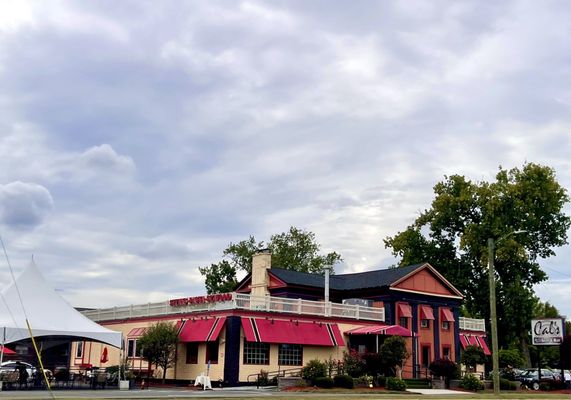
{"type": "Point", "coordinates": [405, 310]}
{"type": "Point", "coordinates": [475, 340]}
{"type": "Point", "coordinates": [483, 345]}
{"type": "Point", "coordinates": [447, 315]}
{"type": "Point", "coordinates": [136, 332]}
{"type": "Point", "coordinates": [7, 351]}
{"type": "Point", "coordinates": [426, 312]}
{"type": "Point", "coordinates": [388, 330]}
{"type": "Point", "coordinates": [201, 330]}
{"type": "Point", "coordinates": [472, 341]}
{"type": "Point", "coordinates": [292, 332]}
{"type": "Point", "coordinates": [464, 341]}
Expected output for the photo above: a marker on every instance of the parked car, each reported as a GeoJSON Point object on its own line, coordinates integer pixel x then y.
{"type": "Point", "coordinates": [530, 377]}
{"type": "Point", "coordinates": [8, 366]}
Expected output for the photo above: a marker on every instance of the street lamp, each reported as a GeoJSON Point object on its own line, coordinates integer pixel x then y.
{"type": "Point", "coordinates": [493, 315]}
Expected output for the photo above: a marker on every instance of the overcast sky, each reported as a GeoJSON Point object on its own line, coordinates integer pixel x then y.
{"type": "Point", "coordinates": [139, 138]}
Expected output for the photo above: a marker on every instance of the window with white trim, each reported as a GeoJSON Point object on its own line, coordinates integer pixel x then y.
{"type": "Point", "coordinates": [425, 323]}
{"type": "Point", "coordinates": [131, 346]}
{"type": "Point", "coordinates": [256, 353]}
{"type": "Point", "coordinates": [290, 354]}
{"type": "Point", "coordinates": [445, 325]}
{"type": "Point", "coordinates": [79, 350]}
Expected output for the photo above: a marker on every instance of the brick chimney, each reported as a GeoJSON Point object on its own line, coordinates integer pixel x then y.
{"type": "Point", "coordinates": [261, 262]}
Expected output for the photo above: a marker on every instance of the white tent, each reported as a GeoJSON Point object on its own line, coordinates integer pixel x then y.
{"type": "Point", "coordinates": [48, 314]}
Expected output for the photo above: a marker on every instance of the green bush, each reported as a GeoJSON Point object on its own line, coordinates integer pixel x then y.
{"type": "Point", "coordinates": [314, 369]}
{"type": "Point", "coordinates": [506, 384]}
{"type": "Point", "coordinates": [395, 384]}
{"type": "Point", "coordinates": [354, 363]}
{"type": "Point", "coordinates": [343, 381]}
{"type": "Point", "coordinates": [324, 382]}
{"type": "Point", "coordinates": [365, 380]}
{"type": "Point", "coordinates": [470, 382]}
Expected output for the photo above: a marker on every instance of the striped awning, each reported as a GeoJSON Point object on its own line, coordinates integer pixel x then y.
{"type": "Point", "coordinates": [313, 333]}
{"type": "Point", "coordinates": [387, 330]}
{"type": "Point", "coordinates": [201, 329]}
{"type": "Point", "coordinates": [137, 332]}
{"type": "Point", "coordinates": [467, 339]}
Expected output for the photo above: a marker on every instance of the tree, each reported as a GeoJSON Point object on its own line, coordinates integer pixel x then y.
{"type": "Point", "coordinates": [510, 358]}
{"type": "Point", "coordinates": [295, 249]}
{"type": "Point", "coordinates": [158, 345]}
{"type": "Point", "coordinates": [444, 367]}
{"type": "Point", "coordinates": [394, 353]}
{"type": "Point", "coordinates": [452, 235]}
{"type": "Point", "coordinates": [472, 356]}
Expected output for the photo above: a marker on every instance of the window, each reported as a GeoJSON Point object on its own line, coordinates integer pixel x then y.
{"type": "Point", "coordinates": [79, 350]}
{"type": "Point", "coordinates": [425, 323]}
{"type": "Point", "coordinates": [132, 349]}
{"type": "Point", "coordinates": [290, 354]}
{"type": "Point", "coordinates": [256, 353]}
{"type": "Point", "coordinates": [446, 352]}
{"type": "Point", "coordinates": [403, 321]}
{"type": "Point", "coordinates": [192, 353]}
{"type": "Point", "coordinates": [212, 352]}
{"type": "Point", "coordinates": [445, 325]}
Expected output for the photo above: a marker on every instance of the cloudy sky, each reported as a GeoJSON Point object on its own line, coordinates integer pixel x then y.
{"type": "Point", "coordinates": [139, 138]}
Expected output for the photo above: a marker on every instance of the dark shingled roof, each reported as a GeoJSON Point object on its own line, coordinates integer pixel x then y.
{"type": "Point", "coordinates": [360, 280]}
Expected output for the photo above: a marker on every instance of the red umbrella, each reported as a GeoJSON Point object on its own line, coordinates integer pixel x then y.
{"type": "Point", "coordinates": [104, 357]}
{"type": "Point", "coordinates": [7, 351]}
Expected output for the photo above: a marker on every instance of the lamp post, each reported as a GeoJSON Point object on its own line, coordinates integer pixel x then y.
{"type": "Point", "coordinates": [493, 314]}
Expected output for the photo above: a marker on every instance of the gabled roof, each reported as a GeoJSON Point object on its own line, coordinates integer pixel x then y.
{"type": "Point", "coordinates": [48, 314]}
{"type": "Point", "coordinates": [392, 278]}
{"type": "Point", "coordinates": [355, 281]}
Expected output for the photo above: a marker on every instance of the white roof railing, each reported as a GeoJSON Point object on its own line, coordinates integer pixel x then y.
{"type": "Point", "coordinates": [472, 324]}
{"type": "Point", "coordinates": [240, 301]}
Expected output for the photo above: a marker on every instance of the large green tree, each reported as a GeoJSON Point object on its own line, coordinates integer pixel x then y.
{"type": "Point", "coordinates": [158, 345]}
{"type": "Point", "coordinates": [296, 249]}
{"type": "Point", "coordinates": [453, 233]}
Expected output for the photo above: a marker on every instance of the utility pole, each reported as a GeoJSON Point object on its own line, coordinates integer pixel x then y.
{"type": "Point", "coordinates": [493, 318]}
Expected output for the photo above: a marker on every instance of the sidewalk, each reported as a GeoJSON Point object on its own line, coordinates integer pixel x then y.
{"type": "Point", "coordinates": [436, 391]}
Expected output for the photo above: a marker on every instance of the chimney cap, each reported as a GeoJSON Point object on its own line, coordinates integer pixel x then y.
{"type": "Point", "coordinates": [263, 251]}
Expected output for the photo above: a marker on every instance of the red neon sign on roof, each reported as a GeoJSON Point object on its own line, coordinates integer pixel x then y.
{"type": "Point", "coordinates": [211, 298]}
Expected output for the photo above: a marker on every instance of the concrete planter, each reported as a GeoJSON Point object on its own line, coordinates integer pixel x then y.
{"type": "Point", "coordinates": [438, 384]}
{"type": "Point", "coordinates": [289, 381]}
{"type": "Point", "coordinates": [123, 385]}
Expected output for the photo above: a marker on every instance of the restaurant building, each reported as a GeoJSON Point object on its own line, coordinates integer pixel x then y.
{"type": "Point", "coordinates": [279, 319]}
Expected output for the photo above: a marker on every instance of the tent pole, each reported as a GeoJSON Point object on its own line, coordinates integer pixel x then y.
{"type": "Point", "coordinates": [3, 341]}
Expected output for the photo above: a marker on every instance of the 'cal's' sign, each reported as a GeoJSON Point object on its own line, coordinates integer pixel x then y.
{"type": "Point", "coordinates": [547, 331]}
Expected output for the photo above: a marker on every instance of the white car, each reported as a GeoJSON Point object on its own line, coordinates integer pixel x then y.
{"type": "Point", "coordinates": [12, 366]}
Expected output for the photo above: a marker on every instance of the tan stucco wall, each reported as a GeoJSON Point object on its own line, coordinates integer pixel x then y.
{"type": "Point", "coordinates": [183, 371]}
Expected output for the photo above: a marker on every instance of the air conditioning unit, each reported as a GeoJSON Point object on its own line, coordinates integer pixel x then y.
{"type": "Point", "coordinates": [358, 302]}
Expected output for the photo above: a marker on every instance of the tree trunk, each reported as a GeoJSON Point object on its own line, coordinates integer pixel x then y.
{"type": "Point", "coordinates": [524, 346]}
{"type": "Point", "coordinates": [164, 374]}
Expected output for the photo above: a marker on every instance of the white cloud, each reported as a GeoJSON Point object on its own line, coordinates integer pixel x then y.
{"type": "Point", "coordinates": [24, 205]}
